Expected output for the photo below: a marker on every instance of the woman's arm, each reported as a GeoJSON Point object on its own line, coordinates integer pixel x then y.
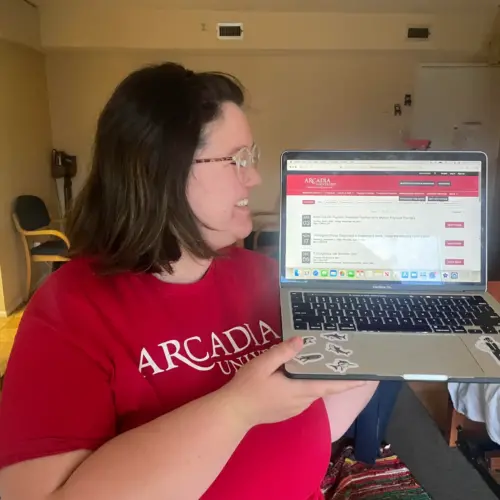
{"type": "Point", "coordinates": [343, 408]}
{"type": "Point", "coordinates": [177, 455]}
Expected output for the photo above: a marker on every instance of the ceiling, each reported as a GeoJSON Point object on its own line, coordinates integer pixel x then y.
{"type": "Point", "coordinates": [354, 6]}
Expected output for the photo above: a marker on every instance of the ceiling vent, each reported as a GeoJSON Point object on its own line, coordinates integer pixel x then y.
{"type": "Point", "coordinates": [419, 33]}
{"type": "Point", "coordinates": [230, 31]}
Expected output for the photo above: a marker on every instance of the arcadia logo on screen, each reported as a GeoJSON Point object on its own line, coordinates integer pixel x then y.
{"type": "Point", "coordinates": [319, 181]}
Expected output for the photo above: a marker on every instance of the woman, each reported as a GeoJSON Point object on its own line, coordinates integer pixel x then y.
{"type": "Point", "coordinates": [142, 368]}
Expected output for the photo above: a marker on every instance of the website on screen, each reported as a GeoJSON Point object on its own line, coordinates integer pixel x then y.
{"type": "Point", "coordinates": [389, 222]}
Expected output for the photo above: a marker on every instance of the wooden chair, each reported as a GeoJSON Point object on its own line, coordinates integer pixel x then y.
{"type": "Point", "coordinates": [456, 421]}
{"type": "Point", "coordinates": [32, 219]}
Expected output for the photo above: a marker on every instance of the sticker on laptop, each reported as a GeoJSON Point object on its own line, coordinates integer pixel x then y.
{"type": "Point", "coordinates": [341, 366]}
{"type": "Point", "coordinates": [490, 346]}
{"type": "Point", "coordinates": [338, 350]}
{"type": "Point", "coordinates": [309, 341]}
{"type": "Point", "coordinates": [336, 336]}
{"type": "Point", "coordinates": [305, 359]}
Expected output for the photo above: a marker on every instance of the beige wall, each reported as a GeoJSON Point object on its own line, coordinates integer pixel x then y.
{"type": "Point", "coordinates": [316, 79]}
{"type": "Point", "coordinates": [298, 100]}
{"type": "Point", "coordinates": [19, 22]}
{"type": "Point", "coordinates": [140, 25]}
{"type": "Point", "coordinates": [25, 145]}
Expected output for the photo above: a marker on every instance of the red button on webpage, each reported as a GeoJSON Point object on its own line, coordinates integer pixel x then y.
{"type": "Point", "coordinates": [454, 262]}
{"type": "Point", "coordinates": [454, 243]}
{"type": "Point", "coordinates": [450, 225]}
{"type": "Point", "coordinates": [308, 202]}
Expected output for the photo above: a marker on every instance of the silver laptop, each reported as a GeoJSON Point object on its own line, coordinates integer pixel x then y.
{"type": "Point", "coordinates": [383, 266]}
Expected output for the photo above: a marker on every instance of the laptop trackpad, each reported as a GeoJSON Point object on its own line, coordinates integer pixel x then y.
{"type": "Point", "coordinates": [412, 356]}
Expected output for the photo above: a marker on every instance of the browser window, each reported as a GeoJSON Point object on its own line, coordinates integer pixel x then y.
{"type": "Point", "coordinates": [383, 220]}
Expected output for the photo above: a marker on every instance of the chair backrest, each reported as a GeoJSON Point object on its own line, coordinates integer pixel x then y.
{"type": "Point", "coordinates": [31, 212]}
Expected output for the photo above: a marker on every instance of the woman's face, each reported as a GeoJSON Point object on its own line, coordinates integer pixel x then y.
{"type": "Point", "coordinates": [217, 193]}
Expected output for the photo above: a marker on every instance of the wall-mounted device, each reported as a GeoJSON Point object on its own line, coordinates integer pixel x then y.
{"type": "Point", "coordinates": [64, 166]}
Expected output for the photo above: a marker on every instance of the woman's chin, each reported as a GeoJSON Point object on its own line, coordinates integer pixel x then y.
{"type": "Point", "coordinates": [243, 229]}
{"type": "Point", "coordinates": [237, 231]}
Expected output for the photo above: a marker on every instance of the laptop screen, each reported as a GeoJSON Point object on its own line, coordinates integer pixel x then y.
{"type": "Point", "coordinates": [383, 220]}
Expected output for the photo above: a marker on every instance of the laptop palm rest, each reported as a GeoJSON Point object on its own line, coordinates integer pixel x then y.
{"type": "Point", "coordinates": [392, 355]}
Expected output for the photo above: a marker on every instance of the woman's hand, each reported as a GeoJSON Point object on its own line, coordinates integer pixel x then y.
{"type": "Point", "coordinates": [260, 393]}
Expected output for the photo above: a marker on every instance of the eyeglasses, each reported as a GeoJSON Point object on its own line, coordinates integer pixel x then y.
{"type": "Point", "coordinates": [244, 159]}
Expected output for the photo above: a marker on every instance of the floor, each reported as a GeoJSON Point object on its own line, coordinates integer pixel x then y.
{"type": "Point", "coordinates": [8, 329]}
{"type": "Point", "coordinates": [442, 471]}
{"type": "Point", "coordinates": [434, 397]}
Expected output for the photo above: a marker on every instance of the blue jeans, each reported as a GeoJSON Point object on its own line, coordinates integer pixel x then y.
{"type": "Point", "coordinates": [369, 429]}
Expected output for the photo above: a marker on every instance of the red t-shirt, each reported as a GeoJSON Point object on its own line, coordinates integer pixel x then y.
{"type": "Point", "coordinates": [96, 356]}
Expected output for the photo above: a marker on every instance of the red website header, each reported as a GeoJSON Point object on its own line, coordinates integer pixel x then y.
{"type": "Point", "coordinates": [383, 185]}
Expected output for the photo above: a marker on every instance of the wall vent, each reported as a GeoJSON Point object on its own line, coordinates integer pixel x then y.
{"type": "Point", "coordinates": [419, 33]}
{"type": "Point", "coordinates": [230, 31]}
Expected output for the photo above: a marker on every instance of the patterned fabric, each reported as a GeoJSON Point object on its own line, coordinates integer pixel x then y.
{"type": "Point", "coordinates": [388, 479]}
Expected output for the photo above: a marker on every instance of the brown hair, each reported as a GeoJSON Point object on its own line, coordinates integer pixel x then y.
{"type": "Point", "coordinates": [133, 213]}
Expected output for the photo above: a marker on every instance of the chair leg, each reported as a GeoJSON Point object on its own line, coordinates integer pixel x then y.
{"type": "Point", "coordinates": [454, 420]}
{"type": "Point", "coordinates": [28, 278]}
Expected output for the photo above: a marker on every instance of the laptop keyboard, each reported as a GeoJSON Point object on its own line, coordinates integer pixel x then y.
{"type": "Point", "coordinates": [393, 313]}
